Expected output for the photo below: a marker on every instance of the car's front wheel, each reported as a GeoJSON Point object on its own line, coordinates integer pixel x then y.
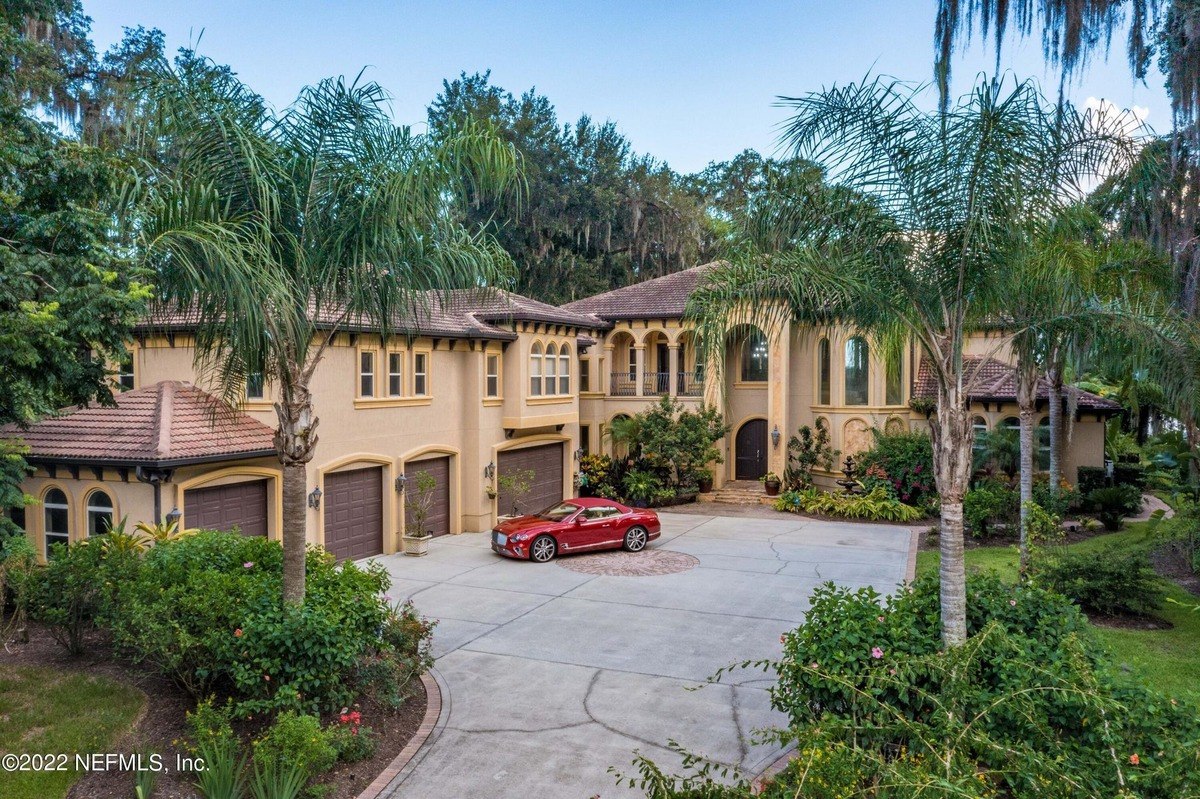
{"type": "Point", "coordinates": [542, 549]}
{"type": "Point", "coordinates": [635, 539]}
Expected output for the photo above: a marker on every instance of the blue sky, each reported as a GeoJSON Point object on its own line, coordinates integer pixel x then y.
{"type": "Point", "coordinates": [689, 82]}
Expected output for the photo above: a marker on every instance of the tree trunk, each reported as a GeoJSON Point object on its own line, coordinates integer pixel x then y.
{"type": "Point", "coordinates": [295, 442]}
{"type": "Point", "coordinates": [952, 441]}
{"type": "Point", "coordinates": [1026, 401]}
{"type": "Point", "coordinates": [1054, 376]}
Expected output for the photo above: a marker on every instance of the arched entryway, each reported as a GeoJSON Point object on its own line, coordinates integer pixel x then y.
{"type": "Point", "coordinates": [750, 450]}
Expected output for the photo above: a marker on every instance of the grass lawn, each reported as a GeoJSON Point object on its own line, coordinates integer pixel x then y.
{"type": "Point", "coordinates": [45, 710]}
{"type": "Point", "coordinates": [1167, 659]}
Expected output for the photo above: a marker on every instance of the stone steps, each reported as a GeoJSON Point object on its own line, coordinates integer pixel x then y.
{"type": "Point", "coordinates": [741, 492]}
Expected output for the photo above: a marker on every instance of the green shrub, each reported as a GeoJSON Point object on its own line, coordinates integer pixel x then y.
{"type": "Point", "coordinates": [990, 503]}
{"type": "Point", "coordinates": [207, 611]}
{"type": "Point", "coordinates": [220, 772]}
{"type": "Point", "coordinates": [1131, 474]}
{"type": "Point", "coordinates": [642, 486]}
{"type": "Point", "coordinates": [1114, 503]}
{"type": "Point", "coordinates": [1059, 503]}
{"type": "Point", "coordinates": [875, 505]}
{"type": "Point", "coordinates": [298, 738]}
{"type": "Point", "coordinates": [905, 460]}
{"type": "Point", "coordinates": [76, 589]}
{"type": "Point", "coordinates": [354, 741]}
{"type": "Point", "coordinates": [807, 450]}
{"type": "Point", "coordinates": [1113, 582]}
{"type": "Point", "coordinates": [1091, 478]}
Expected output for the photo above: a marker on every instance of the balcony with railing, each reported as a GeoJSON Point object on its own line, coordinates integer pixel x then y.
{"type": "Point", "coordinates": [622, 384]}
{"type": "Point", "coordinates": [689, 384]}
{"type": "Point", "coordinates": [656, 384]}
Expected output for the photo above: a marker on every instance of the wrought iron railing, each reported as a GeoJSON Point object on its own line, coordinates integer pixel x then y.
{"type": "Point", "coordinates": [622, 384]}
{"type": "Point", "coordinates": [656, 383]}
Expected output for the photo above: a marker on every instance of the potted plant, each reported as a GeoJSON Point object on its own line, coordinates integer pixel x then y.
{"type": "Point", "coordinates": [420, 502]}
{"type": "Point", "coordinates": [515, 485]}
{"type": "Point", "coordinates": [704, 480]}
{"type": "Point", "coordinates": [771, 483]}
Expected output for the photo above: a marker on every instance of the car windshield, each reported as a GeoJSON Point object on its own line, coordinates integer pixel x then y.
{"type": "Point", "coordinates": [556, 513]}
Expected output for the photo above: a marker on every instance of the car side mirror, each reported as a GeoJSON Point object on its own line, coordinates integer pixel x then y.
{"type": "Point", "coordinates": [579, 520]}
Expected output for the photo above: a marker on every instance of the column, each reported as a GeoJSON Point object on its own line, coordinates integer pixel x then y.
{"type": "Point", "coordinates": [780, 341]}
{"type": "Point", "coordinates": [672, 369]}
{"type": "Point", "coordinates": [638, 353]}
{"type": "Point", "coordinates": [604, 364]}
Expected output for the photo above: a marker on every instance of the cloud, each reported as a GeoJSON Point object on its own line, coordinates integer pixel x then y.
{"type": "Point", "coordinates": [1133, 120]}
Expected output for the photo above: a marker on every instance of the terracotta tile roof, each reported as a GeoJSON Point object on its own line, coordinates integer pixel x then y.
{"type": "Point", "coordinates": [465, 313]}
{"type": "Point", "coordinates": [662, 297]}
{"type": "Point", "coordinates": [163, 424]}
{"type": "Point", "coordinates": [997, 381]}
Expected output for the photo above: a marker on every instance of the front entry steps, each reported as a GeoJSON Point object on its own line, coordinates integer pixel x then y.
{"type": "Point", "coordinates": [738, 492]}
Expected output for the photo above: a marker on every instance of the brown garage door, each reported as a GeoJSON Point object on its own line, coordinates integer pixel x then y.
{"type": "Point", "coordinates": [547, 485]}
{"type": "Point", "coordinates": [354, 513]}
{"type": "Point", "coordinates": [240, 505]}
{"type": "Point", "coordinates": [438, 520]}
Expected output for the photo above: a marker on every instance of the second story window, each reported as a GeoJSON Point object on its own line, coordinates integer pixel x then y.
{"type": "Point", "coordinates": [857, 364]}
{"type": "Point", "coordinates": [366, 374]}
{"type": "Point", "coordinates": [255, 387]}
{"type": "Point", "coordinates": [421, 374]}
{"type": "Point", "coordinates": [125, 378]}
{"type": "Point", "coordinates": [552, 369]}
{"type": "Point", "coordinates": [564, 370]}
{"type": "Point", "coordinates": [535, 371]}
{"type": "Point", "coordinates": [824, 367]}
{"type": "Point", "coordinates": [754, 358]}
{"type": "Point", "coordinates": [585, 374]}
{"type": "Point", "coordinates": [395, 374]}
{"type": "Point", "coordinates": [492, 375]}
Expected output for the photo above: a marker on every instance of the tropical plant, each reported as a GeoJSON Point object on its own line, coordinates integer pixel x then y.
{"type": "Point", "coordinates": [1000, 449]}
{"type": "Point", "coordinates": [1114, 503]}
{"type": "Point", "coordinates": [807, 450]}
{"type": "Point", "coordinates": [277, 230]}
{"type": "Point", "coordinates": [917, 244]}
{"type": "Point", "coordinates": [875, 505]}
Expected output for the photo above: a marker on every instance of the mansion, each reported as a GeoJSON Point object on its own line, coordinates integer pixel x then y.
{"type": "Point", "coordinates": [487, 383]}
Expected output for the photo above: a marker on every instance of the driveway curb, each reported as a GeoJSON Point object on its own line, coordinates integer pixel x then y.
{"type": "Point", "coordinates": [432, 721]}
{"type": "Point", "coordinates": [914, 544]}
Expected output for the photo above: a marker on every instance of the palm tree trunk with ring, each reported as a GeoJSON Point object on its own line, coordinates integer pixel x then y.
{"type": "Point", "coordinates": [1054, 376]}
{"type": "Point", "coordinates": [295, 441]}
{"type": "Point", "coordinates": [952, 454]}
{"type": "Point", "coordinates": [1026, 403]}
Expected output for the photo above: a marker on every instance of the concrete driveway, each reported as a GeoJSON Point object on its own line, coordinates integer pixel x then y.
{"type": "Point", "coordinates": [550, 676]}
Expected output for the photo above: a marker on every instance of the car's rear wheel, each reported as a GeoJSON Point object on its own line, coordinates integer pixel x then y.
{"type": "Point", "coordinates": [635, 539]}
{"type": "Point", "coordinates": [542, 549]}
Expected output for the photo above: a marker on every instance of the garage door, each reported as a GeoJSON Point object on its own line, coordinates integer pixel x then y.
{"type": "Point", "coordinates": [240, 505]}
{"type": "Point", "coordinates": [546, 463]}
{"type": "Point", "coordinates": [438, 519]}
{"type": "Point", "coordinates": [354, 513]}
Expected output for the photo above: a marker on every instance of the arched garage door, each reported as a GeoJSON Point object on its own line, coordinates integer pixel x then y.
{"type": "Point", "coordinates": [438, 520]}
{"type": "Point", "coordinates": [546, 464]}
{"type": "Point", "coordinates": [354, 513]}
{"type": "Point", "coordinates": [234, 505]}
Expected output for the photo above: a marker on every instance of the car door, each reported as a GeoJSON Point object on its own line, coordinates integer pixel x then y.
{"type": "Point", "coordinates": [594, 528]}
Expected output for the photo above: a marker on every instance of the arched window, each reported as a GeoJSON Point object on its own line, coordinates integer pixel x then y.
{"type": "Point", "coordinates": [57, 518]}
{"type": "Point", "coordinates": [1042, 436]}
{"type": "Point", "coordinates": [564, 370]}
{"type": "Point", "coordinates": [99, 513]}
{"type": "Point", "coordinates": [894, 384]}
{"type": "Point", "coordinates": [824, 366]}
{"type": "Point", "coordinates": [552, 369]}
{"type": "Point", "coordinates": [979, 425]}
{"type": "Point", "coordinates": [754, 358]}
{"type": "Point", "coordinates": [857, 362]}
{"type": "Point", "coordinates": [535, 371]}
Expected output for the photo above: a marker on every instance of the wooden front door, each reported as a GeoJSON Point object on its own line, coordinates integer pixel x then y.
{"type": "Point", "coordinates": [751, 450]}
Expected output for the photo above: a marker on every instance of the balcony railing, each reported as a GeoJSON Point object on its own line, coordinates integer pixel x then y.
{"type": "Point", "coordinates": [656, 383]}
{"type": "Point", "coordinates": [622, 384]}
{"type": "Point", "coordinates": [689, 384]}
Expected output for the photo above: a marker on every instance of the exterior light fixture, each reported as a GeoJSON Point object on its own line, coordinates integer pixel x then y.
{"type": "Point", "coordinates": [775, 436]}
{"type": "Point", "coordinates": [401, 481]}
{"type": "Point", "coordinates": [314, 498]}
{"type": "Point", "coordinates": [579, 454]}
{"type": "Point", "coordinates": [174, 516]}
{"type": "Point", "coordinates": [489, 471]}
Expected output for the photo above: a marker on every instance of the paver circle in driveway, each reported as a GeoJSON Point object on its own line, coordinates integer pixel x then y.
{"type": "Point", "coordinates": [552, 675]}
{"type": "Point", "coordinates": [650, 562]}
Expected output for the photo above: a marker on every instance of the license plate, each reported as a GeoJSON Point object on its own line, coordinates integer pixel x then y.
{"type": "Point", "coordinates": [499, 539]}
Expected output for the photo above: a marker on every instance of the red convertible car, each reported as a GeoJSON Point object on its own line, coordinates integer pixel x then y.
{"type": "Point", "coordinates": [577, 525]}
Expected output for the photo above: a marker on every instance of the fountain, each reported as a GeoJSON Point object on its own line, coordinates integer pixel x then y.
{"type": "Point", "coordinates": [849, 484]}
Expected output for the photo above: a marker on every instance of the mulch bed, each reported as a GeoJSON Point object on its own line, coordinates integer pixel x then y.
{"type": "Point", "coordinates": [1130, 622]}
{"type": "Point", "coordinates": [1171, 560]}
{"type": "Point", "coordinates": [163, 723]}
{"type": "Point", "coordinates": [1004, 538]}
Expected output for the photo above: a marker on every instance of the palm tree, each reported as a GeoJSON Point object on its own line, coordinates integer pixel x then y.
{"type": "Point", "coordinates": [277, 230]}
{"type": "Point", "coordinates": [947, 203]}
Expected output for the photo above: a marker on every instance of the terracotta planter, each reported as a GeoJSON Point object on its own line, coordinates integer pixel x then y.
{"type": "Point", "coordinates": [706, 485]}
{"type": "Point", "coordinates": [416, 546]}
{"type": "Point", "coordinates": [772, 488]}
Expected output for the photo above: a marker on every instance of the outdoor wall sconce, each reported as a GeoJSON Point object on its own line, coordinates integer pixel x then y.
{"type": "Point", "coordinates": [489, 471]}
{"type": "Point", "coordinates": [579, 454]}
{"type": "Point", "coordinates": [775, 436]}
{"type": "Point", "coordinates": [314, 498]}
{"type": "Point", "coordinates": [174, 516]}
{"type": "Point", "coordinates": [401, 481]}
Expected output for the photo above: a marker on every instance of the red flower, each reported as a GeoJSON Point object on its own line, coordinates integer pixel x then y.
{"type": "Point", "coordinates": [1134, 759]}
{"type": "Point", "coordinates": [237, 633]}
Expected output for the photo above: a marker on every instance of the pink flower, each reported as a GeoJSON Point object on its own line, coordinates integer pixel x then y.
{"type": "Point", "coordinates": [783, 638]}
{"type": "Point", "coordinates": [815, 665]}
{"type": "Point", "coordinates": [1134, 759]}
{"type": "Point", "coordinates": [892, 672]}
{"type": "Point", "coordinates": [879, 618]}
{"type": "Point", "coordinates": [1012, 602]}
{"type": "Point", "coordinates": [876, 652]}
{"type": "Point", "coordinates": [249, 564]}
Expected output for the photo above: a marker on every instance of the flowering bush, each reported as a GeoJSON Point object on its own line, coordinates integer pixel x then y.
{"type": "Point", "coordinates": [904, 461]}
{"type": "Point", "coordinates": [354, 741]}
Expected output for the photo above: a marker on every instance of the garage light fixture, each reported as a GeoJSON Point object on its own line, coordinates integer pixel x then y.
{"type": "Point", "coordinates": [775, 436]}
{"type": "Point", "coordinates": [489, 471]}
{"type": "Point", "coordinates": [314, 498]}
{"type": "Point", "coordinates": [174, 516]}
{"type": "Point", "coordinates": [401, 481]}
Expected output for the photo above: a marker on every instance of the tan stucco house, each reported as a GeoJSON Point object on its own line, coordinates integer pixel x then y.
{"type": "Point", "coordinates": [481, 384]}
